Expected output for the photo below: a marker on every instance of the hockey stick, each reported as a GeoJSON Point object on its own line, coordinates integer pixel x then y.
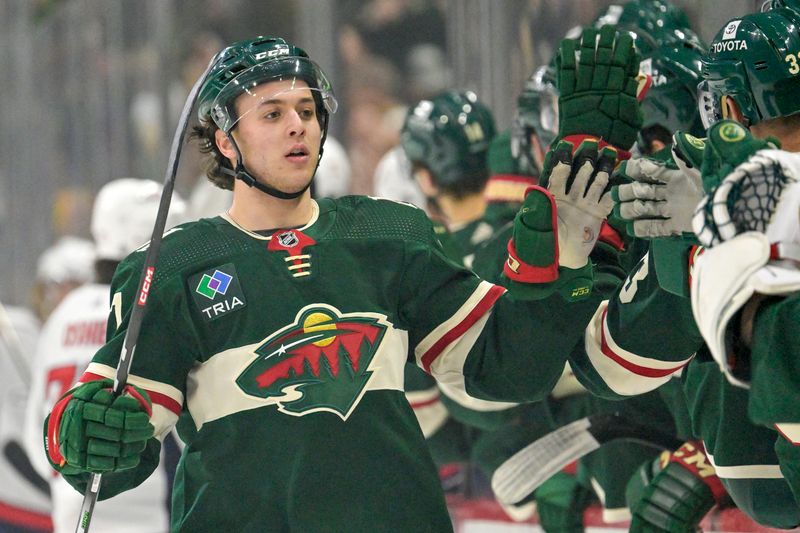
{"type": "Point", "coordinates": [526, 470]}
{"type": "Point", "coordinates": [19, 461]}
{"type": "Point", "coordinates": [145, 283]}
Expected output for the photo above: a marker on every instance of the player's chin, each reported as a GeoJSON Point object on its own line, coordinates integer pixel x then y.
{"type": "Point", "coordinates": [298, 182]}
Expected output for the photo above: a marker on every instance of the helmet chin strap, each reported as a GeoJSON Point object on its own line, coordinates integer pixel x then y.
{"type": "Point", "coordinates": [241, 173]}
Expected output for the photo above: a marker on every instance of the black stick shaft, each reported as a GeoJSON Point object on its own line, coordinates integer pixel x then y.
{"type": "Point", "coordinates": [145, 284]}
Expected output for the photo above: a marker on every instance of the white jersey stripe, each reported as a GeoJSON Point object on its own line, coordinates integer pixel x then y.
{"type": "Point", "coordinates": [428, 408]}
{"type": "Point", "coordinates": [439, 341]}
{"type": "Point", "coordinates": [746, 471]}
{"type": "Point", "coordinates": [622, 371]}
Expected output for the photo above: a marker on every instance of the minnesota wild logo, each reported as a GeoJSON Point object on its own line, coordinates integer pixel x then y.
{"type": "Point", "coordinates": [324, 356]}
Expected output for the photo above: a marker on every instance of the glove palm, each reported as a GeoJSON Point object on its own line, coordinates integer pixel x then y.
{"type": "Point", "coordinates": [579, 185]}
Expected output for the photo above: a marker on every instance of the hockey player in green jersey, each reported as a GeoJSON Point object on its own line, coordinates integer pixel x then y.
{"type": "Point", "coordinates": [610, 467]}
{"type": "Point", "coordinates": [446, 138]}
{"type": "Point", "coordinates": [753, 85]}
{"type": "Point", "coordinates": [276, 335]}
{"type": "Point", "coordinates": [745, 290]}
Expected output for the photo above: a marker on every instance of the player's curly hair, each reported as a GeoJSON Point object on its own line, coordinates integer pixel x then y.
{"type": "Point", "coordinates": [214, 161]}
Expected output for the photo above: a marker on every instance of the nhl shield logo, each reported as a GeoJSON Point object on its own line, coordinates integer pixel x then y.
{"type": "Point", "coordinates": [288, 239]}
{"type": "Point", "coordinates": [324, 355]}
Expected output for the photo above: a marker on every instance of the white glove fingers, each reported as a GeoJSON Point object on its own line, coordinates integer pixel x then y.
{"type": "Point", "coordinates": [597, 187]}
{"type": "Point", "coordinates": [641, 191]}
{"type": "Point", "coordinates": [558, 180]}
{"type": "Point", "coordinates": [578, 188]}
{"type": "Point", "coordinates": [693, 173]}
{"type": "Point", "coordinates": [606, 204]}
{"type": "Point", "coordinates": [651, 227]}
{"type": "Point", "coordinates": [644, 171]}
{"type": "Point", "coordinates": [639, 209]}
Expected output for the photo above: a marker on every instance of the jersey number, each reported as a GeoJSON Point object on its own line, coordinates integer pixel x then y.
{"type": "Point", "coordinates": [632, 283]}
{"type": "Point", "coordinates": [794, 67]}
{"type": "Point", "coordinates": [59, 381]}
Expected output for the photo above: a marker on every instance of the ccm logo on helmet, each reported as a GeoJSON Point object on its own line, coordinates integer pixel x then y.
{"type": "Point", "coordinates": [282, 51]}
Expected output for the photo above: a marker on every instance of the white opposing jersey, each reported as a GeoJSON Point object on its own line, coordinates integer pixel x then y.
{"type": "Point", "coordinates": [69, 339]}
{"type": "Point", "coordinates": [21, 502]}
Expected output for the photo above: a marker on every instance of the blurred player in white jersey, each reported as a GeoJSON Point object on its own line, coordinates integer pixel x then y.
{"type": "Point", "coordinates": [24, 495]}
{"type": "Point", "coordinates": [122, 220]}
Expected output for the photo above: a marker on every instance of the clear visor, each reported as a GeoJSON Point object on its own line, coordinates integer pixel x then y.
{"type": "Point", "coordinates": [294, 82]}
{"type": "Point", "coordinates": [548, 100]}
{"type": "Point", "coordinates": [548, 111]}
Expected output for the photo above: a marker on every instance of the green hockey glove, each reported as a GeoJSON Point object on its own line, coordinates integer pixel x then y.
{"type": "Point", "coordinates": [579, 184]}
{"type": "Point", "coordinates": [644, 475]}
{"type": "Point", "coordinates": [728, 145]}
{"type": "Point", "coordinates": [680, 495]}
{"type": "Point", "coordinates": [89, 430]}
{"type": "Point", "coordinates": [598, 87]}
{"type": "Point", "coordinates": [556, 229]}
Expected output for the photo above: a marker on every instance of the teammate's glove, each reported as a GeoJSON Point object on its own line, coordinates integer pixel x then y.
{"type": "Point", "coordinates": [579, 183]}
{"type": "Point", "coordinates": [761, 194]}
{"type": "Point", "coordinates": [728, 145]}
{"type": "Point", "coordinates": [662, 193]}
{"type": "Point", "coordinates": [680, 495]}
{"type": "Point", "coordinates": [556, 229]}
{"type": "Point", "coordinates": [751, 221]}
{"type": "Point", "coordinates": [598, 90]}
{"type": "Point", "coordinates": [91, 431]}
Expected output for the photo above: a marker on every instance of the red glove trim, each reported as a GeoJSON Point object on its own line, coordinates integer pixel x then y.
{"type": "Point", "coordinates": [577, 139]}
{"type": "Point", "coordinates": [692, 457]}
{"type": "Point", "coordinates": [130, 389]}
{"type": "Point", "coordinates": [518, 270]}
{"type": "Point", "coordinates": [53, 425]}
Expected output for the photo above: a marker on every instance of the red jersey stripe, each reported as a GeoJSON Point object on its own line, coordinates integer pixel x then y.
{"type": "Point", "coordinates": [633, 367]}
{"type": "Point", "coordinates": [474, 315]}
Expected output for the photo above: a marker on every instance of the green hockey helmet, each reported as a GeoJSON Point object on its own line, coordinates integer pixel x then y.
{"type": "Point", "coordinates": [794, 5]}
{"type": "Point", "coordinates": [754, 60]}
{"type": "Point", "coordinates": [537, 114]}
{"type": "Point", "coordinates": [243, 65]}
{"type": "Point", "coordinates": [652, 23]}
{"type": "Point", "coordinates": [450, 136]}
{"type": "Point", "coordinates": [671, 102]}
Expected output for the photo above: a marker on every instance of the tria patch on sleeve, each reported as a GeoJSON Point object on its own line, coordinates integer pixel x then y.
{"type": "Point", "coordinates": [217, 292]}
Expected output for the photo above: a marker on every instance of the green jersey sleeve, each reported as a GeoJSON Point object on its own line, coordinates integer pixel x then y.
{"type": "Point", "coordinates": [631, 345]}
{"type": "Point", "coordinates": [473, 336]}
{"type": "Point", "coordinates": [775, 380]}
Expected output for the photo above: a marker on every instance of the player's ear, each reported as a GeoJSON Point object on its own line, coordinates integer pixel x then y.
{"type": "Point", "coordinates": [656, 145]}
{"type": "Point", "coordinates": [424, 179]}
{"type": "Point", "coordinates": [225, 145]}
{"type": "Point", "coordinates": [537, 150]}
{"type": "Point", "coordinates": [731, 110]}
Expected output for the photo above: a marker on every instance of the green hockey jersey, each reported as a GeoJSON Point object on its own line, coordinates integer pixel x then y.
{"type": "Point", "coordinates": [283, 356]}
{"type": "Point", "coordinates": [643, 336]}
